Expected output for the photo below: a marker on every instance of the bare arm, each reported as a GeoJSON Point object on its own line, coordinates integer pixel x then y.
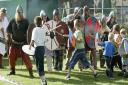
{"type": "Point", "coordinates": [31, 44]}
{"type": "Point", "coordinates": [9, 40]}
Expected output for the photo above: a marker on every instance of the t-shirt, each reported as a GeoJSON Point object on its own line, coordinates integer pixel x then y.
{"type": "Point", "coordinates": [109, 48]}
{"type": "Point", "coordinates": [38, 35]}
{"type": "Point", "coordinates": [79, 36]}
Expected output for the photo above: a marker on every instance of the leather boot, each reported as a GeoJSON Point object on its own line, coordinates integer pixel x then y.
{"type": "Point", "coordinates": [31, 73]}
{"type": "Point", "coordinates": [12, 72]}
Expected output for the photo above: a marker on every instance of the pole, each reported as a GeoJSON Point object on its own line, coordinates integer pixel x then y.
{"type": "Point", "coordinates": [94, 7]}
{"type": "Point", "coordinates": [122, 13]}
{"type": "Point", "coordinates": [102, 7]}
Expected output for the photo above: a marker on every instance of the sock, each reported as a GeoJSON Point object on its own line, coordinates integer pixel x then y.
{"type": "Point", "coordinates": [42, 78]}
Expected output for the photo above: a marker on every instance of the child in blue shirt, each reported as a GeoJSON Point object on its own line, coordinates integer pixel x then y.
{"type": "Point", "coordinates": [109, 50]}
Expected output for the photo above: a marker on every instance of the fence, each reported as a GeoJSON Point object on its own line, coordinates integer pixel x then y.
{"type": "Point", "coordinates": [121, 13]}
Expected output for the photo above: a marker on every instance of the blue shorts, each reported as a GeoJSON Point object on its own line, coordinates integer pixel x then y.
{"type": "Point", "coordinates": [79, 54]}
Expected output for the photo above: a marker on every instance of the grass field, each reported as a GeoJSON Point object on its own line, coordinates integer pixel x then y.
{"type": "Point", "coordinates": [58, 78]}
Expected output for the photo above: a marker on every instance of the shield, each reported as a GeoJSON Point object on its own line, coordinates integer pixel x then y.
{"type": "Point", "coordinates": [72, 38]}
{"type": "Point", "coordinates": [55, 38]}
{"type": "Point", "coordinates": [51, 41]}
{"type": "Point", "coordinates": [62, 30]}
{"type": "Point", "coordinates": [51, 44]}
{"type": "Point", "coordinates": [92, 26]}
{"type": "Point", "coordinates": [29, 32]}
{"type": "Point", "coordinates": [28, 51]}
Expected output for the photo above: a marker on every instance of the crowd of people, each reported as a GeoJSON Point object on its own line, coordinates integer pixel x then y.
{"type": "Point", "coordinates": [110, 41]}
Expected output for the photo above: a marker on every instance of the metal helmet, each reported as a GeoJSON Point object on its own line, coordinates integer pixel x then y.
{"type": "Point", "coordinates": [19, 9]}
{"type": "Point", "coordinates": [55, 12]}
{"type": "Point", "coordinates": [103, 20]}
{"type": "Point", "coordinates": [42, 13]}
{"type": "Point", "coordinates": [76, 9]}
{"type": "Point", "coordinates": [4, 10]}
{"type": "Point", "coordinates": [112, 14]}
{"type": "Point", "coordinates": [86, 8]}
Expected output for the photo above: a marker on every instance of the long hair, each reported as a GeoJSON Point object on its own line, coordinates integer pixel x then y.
{"type": "Point", "coordinates": [19, 16]}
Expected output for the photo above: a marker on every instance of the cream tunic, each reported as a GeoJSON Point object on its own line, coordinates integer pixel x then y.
{"type": "Point", "coordinates": [2, 46]}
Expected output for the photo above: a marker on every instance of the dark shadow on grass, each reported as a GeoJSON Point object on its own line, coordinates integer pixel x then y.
{"type": "Point", "coordinates": [24, 70]}
{"type": "Point", "coordinates": [72, 81]}
{"type": "Point", "coordinates": [27, 76]}
{"type": "Point", "coordinates": [87, 76]}
{"type": "Point", "coordinates": [18, 62]}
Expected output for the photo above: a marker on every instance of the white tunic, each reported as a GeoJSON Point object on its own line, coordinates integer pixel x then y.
{"type": "Point", "coordinates": [5, 23]}
{"type": "Point", "coordinates": [52, 44]}
{"type": "Point", "coordinates": [2, 46]}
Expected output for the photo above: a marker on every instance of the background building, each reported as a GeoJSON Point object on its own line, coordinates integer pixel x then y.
{"type": "Point", "coordinates": [32, 7]}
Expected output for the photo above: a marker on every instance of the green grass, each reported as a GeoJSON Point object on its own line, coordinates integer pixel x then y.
{"type": "Point", "coordinates": [58, 78]}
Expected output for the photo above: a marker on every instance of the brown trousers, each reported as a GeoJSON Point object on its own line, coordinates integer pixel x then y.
{"type": "Point", "coordinates": [93, 58]}
{"type": "Point", "coordinates": [14, 53]}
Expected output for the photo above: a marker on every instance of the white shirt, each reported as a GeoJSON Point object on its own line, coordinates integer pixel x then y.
{"type": "Point", "coordinates": [38, 35]}
{"type": "Point", "coordinates": [5, 23]}
{"type": "Point", "coordinates": [1, 27]}
{"type": "Point", "coordinates": [116, 37]}
{"type": "Point", "coordinates": [2, 46]}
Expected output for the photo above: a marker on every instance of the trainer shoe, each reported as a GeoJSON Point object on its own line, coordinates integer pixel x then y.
{"type": "Point", "coordinates": [44, 82]}
{"type": "Point", "coordinates": [95, 75]}
{"type": "Point", "coordinates": [111, 78]}
{"type": "Point", "coordinates": [11, 73]}
{"type": "Point", "coordinates": [68, 77]}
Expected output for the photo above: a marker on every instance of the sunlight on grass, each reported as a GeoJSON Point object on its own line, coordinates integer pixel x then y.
{"type": "Point", "coordinates": [58, 78]}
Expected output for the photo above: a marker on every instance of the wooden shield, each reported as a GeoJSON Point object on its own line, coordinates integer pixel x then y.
{"type": "Point", "coordinates": [51, 43]}
{"type": "Point", "coordinates": [92, 26]}
{"type": "Point", "coordinates": [29, 32]}
{"type": "Point", "coordinates": [28, 51]}
{"type": "Point", "coordinates": [72, 38]}
{"type": "Point", "coordinates": [62, 30]}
